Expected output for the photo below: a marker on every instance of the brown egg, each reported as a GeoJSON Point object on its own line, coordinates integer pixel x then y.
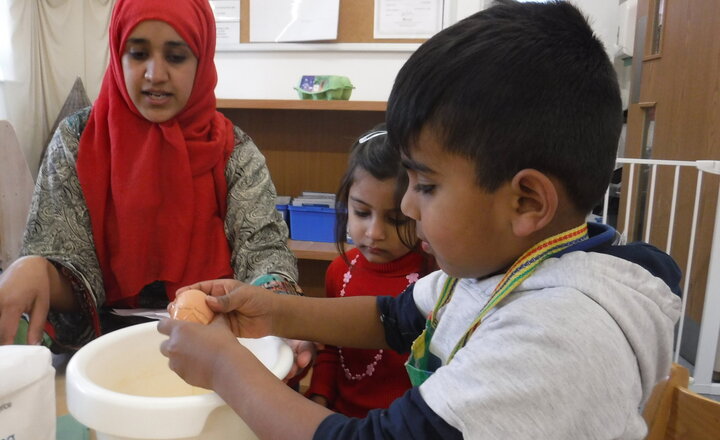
{"type": "Point", "coordinates": [190, 306]}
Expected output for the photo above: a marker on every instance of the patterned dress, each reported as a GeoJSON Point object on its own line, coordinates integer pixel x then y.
{"type": "Point", "coordinates": [59, 229]}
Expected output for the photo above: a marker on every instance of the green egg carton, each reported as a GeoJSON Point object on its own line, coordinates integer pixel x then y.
{"type": "Point", "coordinates": [324, 87]}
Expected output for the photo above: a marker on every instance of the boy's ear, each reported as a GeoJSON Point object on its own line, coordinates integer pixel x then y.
{"type": "Point", "coordinates": [535, 201]}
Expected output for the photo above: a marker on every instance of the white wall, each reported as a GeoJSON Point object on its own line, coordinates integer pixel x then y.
{"type": "Point", "coordinates": [253, 71]}
{"type": "Point", "coordinates": [604, 16]}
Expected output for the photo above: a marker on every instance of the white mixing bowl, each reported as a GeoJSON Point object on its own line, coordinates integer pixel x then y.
{"type": "Point", "coordinates": [120, 386]}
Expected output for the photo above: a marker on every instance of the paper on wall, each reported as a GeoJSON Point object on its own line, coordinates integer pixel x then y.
{"type": "Point", "coordinates": [226, 9]}
{"type": "Point", "coordinates": [407, 18]}
{"type": "Point", "coordinates": [227, 21]}
{"type": "Point", "coordinates": [293, 20]}
{"type": "Point", "coordinates": [228, 32]}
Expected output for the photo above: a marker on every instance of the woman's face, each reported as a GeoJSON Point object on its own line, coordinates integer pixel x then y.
{"type": "Point", "coordinates": [159, 70]}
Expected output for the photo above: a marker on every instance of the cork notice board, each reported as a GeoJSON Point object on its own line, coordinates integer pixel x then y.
{"type": "Point", "coordinates": [355, 24]}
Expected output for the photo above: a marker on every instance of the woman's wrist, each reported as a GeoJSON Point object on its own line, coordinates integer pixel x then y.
{"type": "Point", "coordinates": [278, 284]}
{"type": "Point", "coordinates": [62, 297]}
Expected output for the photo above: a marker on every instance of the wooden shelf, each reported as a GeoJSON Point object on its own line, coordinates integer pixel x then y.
{"type": "Point", "coordinates": [306, 143]}
{"type": "Point", "coordinates": [314, 250]}
{"type": "Point", "coordinates": [300, 104]}
{"type": "Point", "coordinates": [306, 146]}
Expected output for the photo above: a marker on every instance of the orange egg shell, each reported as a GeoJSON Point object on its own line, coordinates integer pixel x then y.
{"type": "Point", "coordinates": [190, 305]}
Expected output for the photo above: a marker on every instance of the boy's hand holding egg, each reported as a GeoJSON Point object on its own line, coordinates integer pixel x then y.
{"type": "Point", "coordinates": [190, 306]}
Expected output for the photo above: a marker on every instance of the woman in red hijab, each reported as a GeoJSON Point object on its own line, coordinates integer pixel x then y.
{"type": "Point", "coordinates": [149, 190]}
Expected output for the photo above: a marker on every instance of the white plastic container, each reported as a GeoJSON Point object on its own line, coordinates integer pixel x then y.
{"type": "Point", "coordinates": [27, 393]}
{"type": "Point", "coordinates": [120, 386]}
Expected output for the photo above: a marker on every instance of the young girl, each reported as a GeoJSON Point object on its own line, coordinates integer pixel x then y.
{"type": "Point", "coordinates": [384, 262]}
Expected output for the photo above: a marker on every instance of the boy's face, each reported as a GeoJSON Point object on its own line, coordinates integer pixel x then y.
{"type": "Point", "coordinates": [465, 227]}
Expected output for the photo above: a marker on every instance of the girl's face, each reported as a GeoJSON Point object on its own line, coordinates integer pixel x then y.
{"type": "Point", "coordinates": [373, 218]}
{"type": "Point", "coordinates": [159, 70]}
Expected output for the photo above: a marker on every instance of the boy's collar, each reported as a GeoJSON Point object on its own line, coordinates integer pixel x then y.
{"type": "Point", "coordinates": [598, 234]}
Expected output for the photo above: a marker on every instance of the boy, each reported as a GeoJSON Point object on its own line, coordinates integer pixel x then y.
{"type": "Point", "coordinates": [539, 326]}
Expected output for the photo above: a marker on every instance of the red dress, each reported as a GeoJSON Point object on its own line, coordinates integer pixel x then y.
{"type": "Point", "coordinates": [376, 377]}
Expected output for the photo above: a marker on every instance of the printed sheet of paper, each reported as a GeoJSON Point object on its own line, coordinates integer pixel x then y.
{"type": "Point", "coordinates": [227, 21]}
{"type": "Point", "coordinates": [293, 20]}
{"type": "Point", "coordinates": [407, 18]}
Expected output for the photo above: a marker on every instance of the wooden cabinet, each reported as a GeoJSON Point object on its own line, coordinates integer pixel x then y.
{"type": "Point", "coordinates": [306, 145]}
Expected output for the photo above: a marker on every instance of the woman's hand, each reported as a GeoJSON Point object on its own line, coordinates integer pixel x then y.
{"type": "Point", "coordinates": [25, 287]}
{"type": "Point", "coordinates": [196, 352]}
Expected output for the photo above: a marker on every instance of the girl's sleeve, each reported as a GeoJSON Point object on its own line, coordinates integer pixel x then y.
{"type": "Point", "coordinates": [327, 363]}
{"type": "Point", "coordinates": [324, 372]}
{"type": "Point", "coordinates": [255, 229]}
{"type": "Point", "coordinates": [58, 229]}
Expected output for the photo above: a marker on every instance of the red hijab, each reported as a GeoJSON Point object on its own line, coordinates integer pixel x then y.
{"type": "Point", "coordinates": [156, 192]}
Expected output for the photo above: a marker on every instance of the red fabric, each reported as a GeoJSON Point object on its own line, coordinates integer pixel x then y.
{"type": "Point", "coordinates": [389, 381]}
{"type": "Point", "coordinates": [156, 193]}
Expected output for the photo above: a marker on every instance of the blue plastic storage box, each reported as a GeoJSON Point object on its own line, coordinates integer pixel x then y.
{"type": "Point", "coordinates": [312, 223]}
{"type": "Point", "coordinates": [283, 210]}
{"type": "Point", "coordinates": [281, 204]}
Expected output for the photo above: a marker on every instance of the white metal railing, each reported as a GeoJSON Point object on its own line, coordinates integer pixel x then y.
{"type": "Point", "coordinates": [708, 355]}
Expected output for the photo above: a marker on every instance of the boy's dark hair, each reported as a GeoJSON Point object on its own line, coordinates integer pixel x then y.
{"type": "Point", "coordinates": [515, 86]}
{"type": "Point", "coordinates": [372, 153]}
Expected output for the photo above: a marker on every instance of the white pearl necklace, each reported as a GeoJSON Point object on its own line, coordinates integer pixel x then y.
{"type": "Point", "coordinates": [369, 368]}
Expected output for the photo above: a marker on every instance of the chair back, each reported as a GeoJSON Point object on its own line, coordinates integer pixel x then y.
{"type": "Point", "coordinates": [675, 412]}
{"type": "Point", "coordinates": [16, 188]}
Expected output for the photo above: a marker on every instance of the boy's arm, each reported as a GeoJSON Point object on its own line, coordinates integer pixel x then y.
{"type": "Point", "coordinates": [408, 417]}
{"type": "Point", "coordinates": [210, 357]}
{"type": "Point", "coordinates": [260, 399]}
{"type": "Point", "coordinates": [350, 322]}
{"type": "Point", "coordinates": [402, 320]}
{"type": "Point", "coordinates": [358, 322]}
{"type": "Point", "coordinates": [255, 312]}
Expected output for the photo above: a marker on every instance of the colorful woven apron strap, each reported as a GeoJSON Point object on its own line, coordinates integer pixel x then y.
{"type": "Point", "coordinates": [422, 363]}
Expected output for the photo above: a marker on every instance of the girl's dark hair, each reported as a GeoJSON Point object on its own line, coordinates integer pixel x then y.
{"type": "Point", "coordinates": [372, 153]}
